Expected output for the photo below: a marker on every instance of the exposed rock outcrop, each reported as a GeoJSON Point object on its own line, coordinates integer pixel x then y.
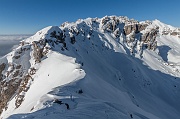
{"type": "Point", "coordinates": [174, 33]}
{"type": "Point", "coordinates": [165, 32]}
{"type": "Point", "coordinates": [8, 89]}
{"type": "Point", "coordinates": [110, 23]}
{"type": "Point", "coordinates": [149, 39]}
{"type": "Point", "coordinates": [2, 67]}
{"type": "Point", "coordinates": [38, 47]}
{"type": "Point", "coordinates": [23, 88]}
{"type": "Point", "coordinates": [136, 28]}
{"type": "Point", "coordinates": [13, 74]}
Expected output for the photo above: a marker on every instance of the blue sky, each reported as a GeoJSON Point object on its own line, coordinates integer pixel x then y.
{"type": "Point", "coordinates": [29, 16]}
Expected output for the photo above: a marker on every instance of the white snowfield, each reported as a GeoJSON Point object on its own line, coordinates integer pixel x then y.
{"type": "Point", "coordinates": [99, 79]}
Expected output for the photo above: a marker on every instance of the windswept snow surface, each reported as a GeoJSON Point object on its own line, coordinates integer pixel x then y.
{"type": "Point", "coordinates": [55, 70]}
{"type": "Point", "coordinates": [114, 84]}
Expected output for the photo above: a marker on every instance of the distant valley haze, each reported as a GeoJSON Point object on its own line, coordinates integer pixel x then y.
{"type": "Point", "coordinates": [8, 42]}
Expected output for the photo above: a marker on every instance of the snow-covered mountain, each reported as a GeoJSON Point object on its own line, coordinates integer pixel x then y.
{"type": "Point", "coordinates": [102, 68]}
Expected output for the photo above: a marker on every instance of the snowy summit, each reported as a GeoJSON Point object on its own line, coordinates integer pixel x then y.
{"type": "Point", "coordinates": [101, 68]}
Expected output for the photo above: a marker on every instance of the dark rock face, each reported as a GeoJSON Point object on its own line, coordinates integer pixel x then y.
{"type": "Point", "coordinates": [2, 67]}
{"type": "Point", "coordinates": [136, 28]}
{"type": "Point", "coordinates": [142, 40]}
{"type": "Point", "coordinates": [130, 31]}
{"type": "Point", "coordinates": [141, 27]}
{"type": "Point", "coordinates": [22, 88]}
{"type": "Point", "coordinates": [73, 40]}
{"type": "Point", "coordinates": [38, 47]}
{"type": "Point", "coordinates": [110, 23]}
{"type": "Point", "coordinates": [59, 36]}
{"type": "Point", "coordinates": [149, 39]}
{"type": "Point", "coordinates": [13, 75]}
{"type": "Point", "coordinates": [174, 33]}
{"type": "Point", "coordinates": [8, 89]}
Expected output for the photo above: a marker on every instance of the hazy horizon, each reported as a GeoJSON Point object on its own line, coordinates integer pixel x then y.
{"type": "Point", "coordinates": [8, 42]}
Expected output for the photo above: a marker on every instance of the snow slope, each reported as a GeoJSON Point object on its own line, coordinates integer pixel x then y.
{"type": "Point", "coordinates": [99, 77]}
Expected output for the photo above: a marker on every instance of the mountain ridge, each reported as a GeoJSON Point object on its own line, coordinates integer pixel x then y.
{"type": "Point", "coordinates": [105, 49]}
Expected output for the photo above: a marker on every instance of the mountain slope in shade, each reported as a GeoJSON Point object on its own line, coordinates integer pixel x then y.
{"type": "Point", "coordinates": [113, 67]}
